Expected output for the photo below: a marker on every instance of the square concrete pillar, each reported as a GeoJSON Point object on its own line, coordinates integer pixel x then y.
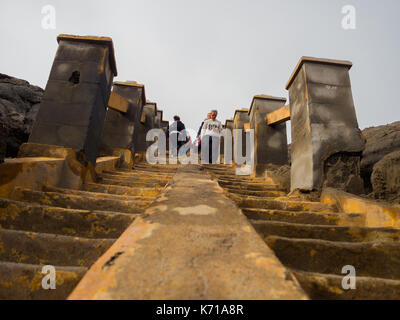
{"type": "Point", "coordinates": [227, 142]}
{"type": "Point", "coordinates": [165, 128]}
{"type": "Point", "coordinates": [326, 140]}
{"type": "Point", "coordinates": [241, 117]}
{"type": "Point", "coordinates": [270, 142]}
{"type": "Point", "coordinates": [74, 104]}
{"type": "Point", "coordinates": [147, 123]}
{"type": "Point", "coordinates": [119, 127]}
{"type": "Point", "coordinates": [158, 119]}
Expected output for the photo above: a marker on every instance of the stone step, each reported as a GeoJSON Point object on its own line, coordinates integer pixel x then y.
{"type": "Point", "coordinates": [317, 218]}
{"type": "Point", "coordinates": [370, 259]}
{"type": "Point", "coordinates": [71, 201]}
{"type": "Point", "coordinates": [155, 169]}
{"type": "Point", "coordinates": [241, 179]}
{"type": "Point", "coordinates": [97, 194]}
{"type": "Point", "coordinates": [248, 186]}
{"type": "Point", "coordinates": [285, 205]}
{"type": "Point", "coordinates": [19, 281]}
{"type": "Point", "coordinates": [70, 222]}
{"type": "Point", "coordinates": [136, 174]}
{"type": "Point", "coordinates": [330, 233]}
{"type": "Point", "coordinates": [245, 183]}
{"type": "Point", "coordinates": [204, 249]}
{"type": "Point", "coordinates": [130, 184]}
{"type": "Point", "coordinates": [121, 190]}
{"type": "Point", "coordinates": [50, 249]}
{"type": "Point", "coordinates": [260, 194]}
{"type": "Point", "coordinates": [158, 165]}
{"type": "Point", "coordinates": [139, 178]}
{"type": "Point", "coordinates": [329, 287]}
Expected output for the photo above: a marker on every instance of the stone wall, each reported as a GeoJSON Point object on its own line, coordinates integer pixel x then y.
{"type": "Point", "coordinates": [380, 141]}
{"type": "Point", "coordinates": [19, 104]}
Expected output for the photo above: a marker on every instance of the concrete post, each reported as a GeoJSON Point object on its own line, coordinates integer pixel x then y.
{"type": "Point", "coordinates": [228, 142]}
{"type": "Point", "coordinates": [270, 142]}
{"type": "Point", "coordinates": [74, 104]}
{"type": "Point", "coordinates": [147, 123]}
{"type": "Point", "coordinates": [241, 117]}
{"type": "Point", "coordinates": [165, 127]}
{"type": "Point", "coordinates": [158, 119]}
{"type": "Point", "coordinates": [326, 141]}
{"type": "Point", "coordinates": [119, 128]}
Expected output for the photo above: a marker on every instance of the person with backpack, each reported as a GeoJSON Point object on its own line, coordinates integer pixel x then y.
{"type": "Point", "coordinates": [199, 132]}
{"type": "Point", "coordinates": [210, 135]}
{"type": "Point", "coordinates": [177, 136]}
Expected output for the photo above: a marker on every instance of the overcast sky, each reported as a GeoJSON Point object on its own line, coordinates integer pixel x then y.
{"type": "Point", "coordinates": [194, 56]}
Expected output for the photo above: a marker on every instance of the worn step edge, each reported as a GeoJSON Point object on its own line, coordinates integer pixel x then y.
{"type": "Point", "coordinates": [370, 259]}
{"type": "Point", "coordinates": [329, 286]}
{"type": "Point", "coordinates": [324, 232]}
{"type": "Point", "coordinates": [120, 190]}
{"type": "Point", "coordinates": [285, 205]}
{"type": "Point", "coordinates": [306, 217]}
{"type": "Point", "coordinates": [44, 248]}
{"type": "Point", "coordinates": [24, 216]}
{"type": "Point", "coordinates": [97, 194]}
{"type": "Point", "coordinates": [20, 281]}
{"type": "Point", "coordinates": [71, 201]}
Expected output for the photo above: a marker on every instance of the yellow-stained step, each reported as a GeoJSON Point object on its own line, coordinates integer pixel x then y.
{"type": "Point", "coordinates": [68, 228]}
{"type": "Point", "coordinates": [75, 201]}
{"type": "Point", "coordinates": [374, 259]}
{"type": "Point", "coordinates": [24, 281]}
{"type": "Point", "coordinates": [50, 249]}
{"type": "Point", "coordinates": [305, 217]}
{"type": "Point", "coordinates": [329, 287]}
{"type": "Point", "coordinates": [121, 190]}
{"type": "Point", "coordinates": [16, 215]}
{"type": "Point", "coordinates": [315, 242]}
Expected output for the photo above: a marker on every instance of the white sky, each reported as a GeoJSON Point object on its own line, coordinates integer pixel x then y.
{"type": "Point", "coordinates": [194, 56]}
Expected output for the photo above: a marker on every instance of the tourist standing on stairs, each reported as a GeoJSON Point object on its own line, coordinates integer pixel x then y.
{"type": "Point", "coordinates": [210, 135]}
{"type": "Point", "coordinates": [177, 135]}
{"type": "Point", "coordinates": [199, 132]}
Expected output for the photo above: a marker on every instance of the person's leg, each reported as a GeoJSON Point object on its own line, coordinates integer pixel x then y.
{"type": "Point", "coordinates": [215, 149]}
{"type": "Point", "coordinates": [210, 148]}
{"type": "Point", "coordinates": [205, 150]}
{"type": "Point", "coordinates": [174, 144]}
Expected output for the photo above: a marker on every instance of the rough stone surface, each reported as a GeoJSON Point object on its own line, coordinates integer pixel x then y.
{"type": "Point", "coordinates": [279, 175]}
{"type": "Point", "coordinates": [119, 128]}
{"type": "Point", "coordinates": [73, 108]}
{"type": "Point", "coordinates": [270, 142]}
{"type": "Point", "coordinates": [380, 141]}
{"type": "Point", "coordinates": [19, 104]}
{"type": "Point", "coordinates": [342, 171]}
{"type": "Point", "coordinates": [385, 178]}
{"type": "Point", "coordinates": [192, 243]}
{"type": "Point", "coordinates": [324, 122]}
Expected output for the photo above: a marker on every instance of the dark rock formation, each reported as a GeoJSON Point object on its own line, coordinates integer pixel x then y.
{"type": "Point", "coordinates": [385, 178]}
{"type": "Point", "coordinates": [380, 141]}
{"type": "Point", "coordinates": [19, 104]}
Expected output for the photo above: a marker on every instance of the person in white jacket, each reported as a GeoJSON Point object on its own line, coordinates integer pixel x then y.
{"type": "Point", "coordinates": [210, 135]}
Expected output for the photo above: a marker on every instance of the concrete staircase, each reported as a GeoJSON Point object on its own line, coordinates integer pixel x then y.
{"type": "Point", "coordinates": [315, 241]}
{"type": "Point", "coordinates": [69, 229]}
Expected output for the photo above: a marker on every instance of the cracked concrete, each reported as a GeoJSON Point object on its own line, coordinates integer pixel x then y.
{"type": "Point", "coordinates": [192, 244]}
